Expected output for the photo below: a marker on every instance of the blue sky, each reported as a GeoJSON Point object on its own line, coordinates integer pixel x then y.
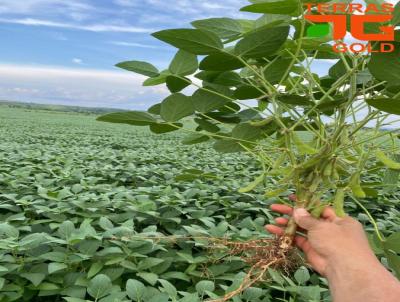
{"type": "Point", "coordinates": [64, 51]}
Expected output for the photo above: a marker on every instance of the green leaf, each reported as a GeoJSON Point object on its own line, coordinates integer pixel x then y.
{"type": "Point", "coordinates": [56, 267]}
{"type": "Point", "coordinates": [137, 118]}
{"type": "Point", "coordinates": [139, 67]}
{"type": "Point", "coordinates": [394, 262]}
{"type": "Point", "coordinates": [205, 101]}
{"type": "Point", "coordinates": [94, 269]}
{"type": "Point", "coordinates": [184, 63]}
{"type": "Point", "coordinates": [149, 263]}
{"type": "Point", "coordinates": [225, 28]}
{"type": "Point", "coordinates": [386, 66]}
{"type": "Point", "coordinates": [302, 275]}
{"type": "Point", "coordinates": [268, 19]}
{"type": "Point", "coordinates": [396, 14]}
{"type": "Point", "coordinates": [274, 72]}
{"type": "Point", "coordinates": [247, 132]}
{"type": "Point", "coordinates": [228, 78]}
{"type": "Point", "coordinates": [252, 294]}
{"type": "Point", "coordinates": [100, 286]}
{"type": "Point", "coordinates": [168, 288]}
{"type": "Point", "coordinates": [195, 41]}
{"type": "Point", "coordinates": [8, 230]}
{"type": "Point", "coordinates": [35, 278]}
{"type": "Point", "coordinates": [161, 79]}
{"type": "Point", "coordinates": [247, 92]}
{"type": "Point", "coordinates": [176, 84]}
{"type": "Point", "coordinates": [207, 126]}
{"type": "Point", "coordinates": [227, 146]}
{"type": "Point", "coordinates": [155, 109]}
{"type": "Point", "coordinates": [393, 243]}
{"type": "Point", "coordinates": [386, 105]}
{"type": "Point", "coordinates": [205, 286]}
{"type": "Point", "coordinates": [263, 42]}
{"type": "Point", "coordinates": [135, 289]}
{"type": "Point", "coordinates": [45, 286]}
{"type": "Point", "coordinates": [221, 62]}
{"type": "Point", "coordinates": [294, 99]}
{"type": "Point", "coordinates": [176, 107]}
{"type": "Point", "coordinates": [194, 139]}
{"type": "Point", "coordinates": [149, 277]}
{"type": "Point", "coordinates": [285, 7]}
{"type": "Point", "coordinates": [162, 128]}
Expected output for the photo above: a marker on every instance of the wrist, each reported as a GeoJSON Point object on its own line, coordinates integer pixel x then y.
{"type": "Point", "coordinates": [343, 266]}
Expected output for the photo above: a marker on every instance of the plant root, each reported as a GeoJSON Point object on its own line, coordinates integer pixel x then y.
{"type": "Point", "coordinates": [261, 255]}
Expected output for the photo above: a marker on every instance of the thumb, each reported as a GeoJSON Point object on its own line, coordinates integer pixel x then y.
{"type": "Point", "coordinates": [304, 219]}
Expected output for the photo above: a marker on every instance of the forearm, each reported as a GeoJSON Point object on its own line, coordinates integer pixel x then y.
{"type": "Point", "coordinates": [363, 280]}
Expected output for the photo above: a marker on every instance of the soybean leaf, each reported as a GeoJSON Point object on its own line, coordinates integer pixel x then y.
{"type": "Point", "coordinates": [56, 267]}
{"type": "Point", "coordinates": [302, 275]}
{"type": "Point", "coordinates": [274, 72]}
{"type": "Point", "coordinates": [393, 242]}
{"type": "Point", "coordinates": [205, 286]}
{"type": "Point", "coordinates": [176, 107]}
{"type": "Point", "coordinates": [168, 288]}
{"type": "Point", "coordinates": [247, 132]}
{"type": "Point", "coordinates": [155, 109]}
{"type": "Point", "coordinates": [137, 118]}
{"type": "Point", "coordinates": [294, 99]}
{"type": "Point", "coordinates": [194, 139]}
{"type": "Point", "coordinates": [184, 63]}
{"type": "Point", "coordinates": [225, 28]}
{"type": "Point", "coordinates": [195, 41]}
{"type": "Point", "coordinates": [267, 19]}
{"type": "Point", "coordinates": [386, 66]}
{"type": "Point", "coordinates": [263, 42]}
{"type": "Point", "coordinates": [227, 146]}
{"type": "Point", "coordinates": [99, 286]}
{"type": "Point", "coordinates": [386, 105]}
{"type": "Point", "coordinates": [221, 62]}
{"type": "Point", "coordinates": [160, 79]}
{"type": "Point", "coordinates": [396, 14]}
{"type": "Point", "coordinates": [207, 126]}
{"type": "Point", "coordinates": [228, 78]}
{"type": "Point", "coordinates": [35, 278]}
{"type": "Point", "coordinates": [161, 128]}
{"type": "Point", "coordinates": [205, 101]}
{"type": "Point", "coordinates": [176, 84]}
{"type": "Point", "coordinates": [135, 289]}
{"type": "Point", "coordinates": [286, 7]}
{"type": "Point", "coordinates": [140, 67]}
{"type": "Point", "coordinates": [247, 92]}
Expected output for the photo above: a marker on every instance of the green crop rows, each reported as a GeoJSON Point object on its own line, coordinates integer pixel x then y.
{"type": "Point", "coordinates": [79, 200]}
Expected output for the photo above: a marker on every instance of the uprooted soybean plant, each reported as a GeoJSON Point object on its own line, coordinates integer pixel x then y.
{"type": "Point", "coordinates": [257, 87]}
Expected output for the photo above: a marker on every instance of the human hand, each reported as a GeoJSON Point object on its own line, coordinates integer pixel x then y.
{"type": "Point", "coordinates": [330, 242]}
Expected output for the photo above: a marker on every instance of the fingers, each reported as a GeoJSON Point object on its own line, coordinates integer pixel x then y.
{"type": "Point", "coordinates": [273, 229]}
{"type": "Point", "coordinates": [304, 219]}
{"type": "Point", "coordinates": [303, 244]}
{"type": "Point", "coordinates": [329, 214]}
{"type": "Point", "coordinates": [282, 221]}
{"type": "Point", "coordinates": [282, 209]}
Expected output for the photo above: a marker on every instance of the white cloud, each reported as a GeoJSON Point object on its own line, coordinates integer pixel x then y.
{"type": "Point", "coordinates": [132, 44]}
{"type": "Point", "coordinates": [77, 61]}
{"type": "Point", "coordinates": [77, 87]}
{"type": "Point", "coordinates": [91, 27]}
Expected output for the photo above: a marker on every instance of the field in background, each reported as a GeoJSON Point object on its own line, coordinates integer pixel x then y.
{"type": "Point", "coordinates": [78, 199]}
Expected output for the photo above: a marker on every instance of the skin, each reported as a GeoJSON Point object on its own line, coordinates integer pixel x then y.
{"type": "Point", "coordinates": [338, 249]}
